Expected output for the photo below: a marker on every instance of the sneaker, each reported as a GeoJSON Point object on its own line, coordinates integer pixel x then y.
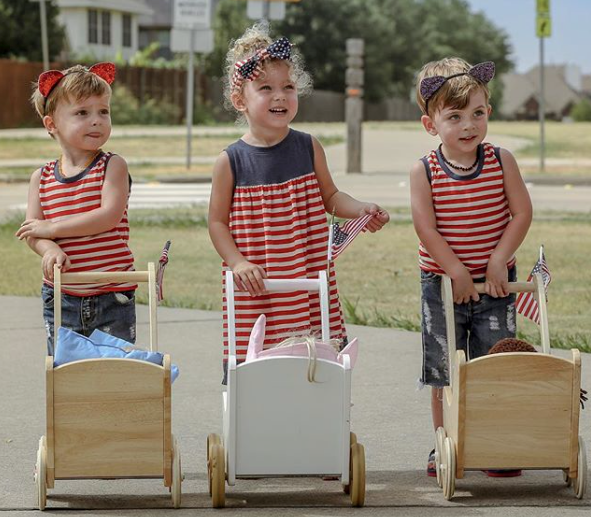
{"type": "Point", "coordinates": [505, 473]}
{"type": "Point", "coordinates": [431, 466]}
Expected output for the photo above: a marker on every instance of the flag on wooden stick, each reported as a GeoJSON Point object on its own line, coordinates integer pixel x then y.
{"type": "Point", "coordinates": [160, 273]}
{"type": "Point", "coordinates": [341, 236]}
{"type": "Point", "coordinates": [526, 303]}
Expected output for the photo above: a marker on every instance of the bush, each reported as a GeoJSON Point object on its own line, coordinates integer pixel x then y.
{"type": "Point", "coordinates": [126, 109]}
{"type": "Point", "coordinates": [581, 111]}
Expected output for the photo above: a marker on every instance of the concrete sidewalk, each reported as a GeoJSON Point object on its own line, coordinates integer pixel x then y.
{"type": "Point", "coordinates": [390, 417]}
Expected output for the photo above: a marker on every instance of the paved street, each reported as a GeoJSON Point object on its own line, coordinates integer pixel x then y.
{"type": "Point", "coordinates": [390, 417]}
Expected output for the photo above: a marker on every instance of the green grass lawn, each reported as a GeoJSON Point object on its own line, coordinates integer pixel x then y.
{"type": "Point", "coordinates": [378, 274]}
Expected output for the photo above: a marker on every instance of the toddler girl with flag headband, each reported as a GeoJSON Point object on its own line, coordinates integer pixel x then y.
{"type": "Point", "coordinates": [270, 194]}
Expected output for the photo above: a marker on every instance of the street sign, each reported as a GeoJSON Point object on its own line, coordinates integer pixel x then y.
{"type": "Point", "coordinates": [257, 9]}
{"type": "Point", "coordinates": [192, 14]}
{"type": "Point", "coordinates": [543, 7]}
{"type": "Point", "coordinates": [543, 27]}
{"type": "Point", "coordinates": [180, 40]}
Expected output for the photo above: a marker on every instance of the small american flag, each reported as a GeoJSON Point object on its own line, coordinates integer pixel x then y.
{"type": "Point", "coordinates": [160, 273]}
{"type": "Point", "coordinates": [526, 303]}
{"type": "Point", "coordinates": [341, 237]}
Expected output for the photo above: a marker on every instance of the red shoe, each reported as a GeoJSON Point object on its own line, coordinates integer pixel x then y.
{"type": "Point", "coordinates": [431, 465]}
{"type": "Point", "coordinates": [511, 473]}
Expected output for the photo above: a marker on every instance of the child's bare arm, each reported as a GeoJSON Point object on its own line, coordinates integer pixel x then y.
{"type": "Point", "coordinates": [341, 203]}
{"type": "Point", "coordinates": [48, 250]}
{"type": "Point", "coordinates": [114, 196]}
{"type": "Point", "coordinates": [521, 215]}
{"type": "Point", "coordinates": [247, 275]}
{"type": "Point", "coordinates": [423, 216]}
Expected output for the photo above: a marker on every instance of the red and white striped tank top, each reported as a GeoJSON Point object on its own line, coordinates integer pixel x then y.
{"type": "Point", "coordinates": [62, 197]}
{"type": "Point", "coordinates": [471, 211]}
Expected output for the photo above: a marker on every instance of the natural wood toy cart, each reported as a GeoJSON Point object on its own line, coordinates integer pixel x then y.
{"type": "Point", "coordinates": [276, 423]}
{"type": "Point", "coordinates": [510, 410]}
{"type": "Point", "coordinates": [108, 418]}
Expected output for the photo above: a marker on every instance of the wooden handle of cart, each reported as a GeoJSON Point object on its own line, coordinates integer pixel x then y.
{"type": "Point", "coordinates": [93, 277]}
{"type": "Point", "coordinates": [536, 286]}
{"type": "Point", "coordinates": [319, 285]}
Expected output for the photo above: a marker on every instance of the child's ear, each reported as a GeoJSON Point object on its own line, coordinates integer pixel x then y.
{"type": "Point", "coordinates": [49, 124]}
{"type": "Point", "coordinates": [238, 101]}
{"type": "Point", "coordinates": [489, 110]}
{"type": "Point", "coordinates": [429, 125]}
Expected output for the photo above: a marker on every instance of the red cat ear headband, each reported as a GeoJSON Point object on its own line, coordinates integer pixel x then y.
{"type": "Point", "coordinates": [50, 79]}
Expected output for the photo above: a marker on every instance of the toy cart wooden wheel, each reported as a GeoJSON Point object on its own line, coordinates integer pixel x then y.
{"type": "Point", "coordinates": [580, 484]}
{"type": "Point", "coordinates": [357, 474]}
{"type": "Point", "coordinates": [41, 473]}
{"type": "Point", "coordinates": [218, 476]}
{"type": "Point", "coordinates": [212, 439]}
{"type": "Point", "coordinates": [440, 436]}
{"type": "Point", "coordinates": [352, 441]}
{"type": "Point", "coordinates": [177, 475]}
{"type": "Point", "coordinates": [448, 468]}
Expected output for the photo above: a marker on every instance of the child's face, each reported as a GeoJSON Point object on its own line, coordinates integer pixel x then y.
{"type": "Point", "coordinates": [461, 130]}
{"type": "Point", "coordinates": [84, 124]}
{"type": "Point", "coordinates": [271, 100]}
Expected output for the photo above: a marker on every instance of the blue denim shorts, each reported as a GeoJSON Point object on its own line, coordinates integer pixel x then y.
{"type": "Point", "coordinates": [113, 313]}
{"type": "Point", "coordinates": [479, 325]}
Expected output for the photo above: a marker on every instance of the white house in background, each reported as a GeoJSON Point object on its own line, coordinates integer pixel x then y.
{"type": "Point", "coordinates": [102, 28]}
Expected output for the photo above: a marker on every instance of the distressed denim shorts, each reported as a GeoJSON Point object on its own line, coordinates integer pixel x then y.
{"type": "Point", "coordinates": [113, 313]}
{"type": "Point", "coordinates": [479, 325]}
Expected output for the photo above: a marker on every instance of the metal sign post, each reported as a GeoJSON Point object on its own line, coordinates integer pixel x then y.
{"type": "Point", "coordinates": [191, 16]}
{"type": "Point", "coordinates": [354, 103]}
{"type": "Point", "coordinates": [543, 30]}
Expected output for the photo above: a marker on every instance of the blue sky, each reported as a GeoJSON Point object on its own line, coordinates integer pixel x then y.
{"type": "Point", "coordinates": [571, 37]}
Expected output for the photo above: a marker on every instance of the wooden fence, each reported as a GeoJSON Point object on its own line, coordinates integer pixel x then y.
{"type": "Point", "coordinates": [16, 80]}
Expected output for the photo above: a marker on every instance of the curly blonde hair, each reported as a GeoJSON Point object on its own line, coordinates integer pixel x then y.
{"type": "Point", "coordinates": [455, 93]}
{"type": "Point", "coordinates": [78, 83]}
{"type": "Point", "coordinates": [254, 39]}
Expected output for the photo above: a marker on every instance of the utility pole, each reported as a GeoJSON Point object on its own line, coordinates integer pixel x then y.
{"type": "Point", "coordinates": [44, 43]}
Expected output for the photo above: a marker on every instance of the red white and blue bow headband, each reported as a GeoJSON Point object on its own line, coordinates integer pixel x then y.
{"type": "Point", "coordinates": [482, 72]}
{"type": "Point", "coordinates": [249, 69]}
{"type": "Point", "coordinates": [50, 79]}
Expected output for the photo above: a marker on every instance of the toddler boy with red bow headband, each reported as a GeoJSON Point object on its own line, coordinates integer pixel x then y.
{"type": "Point", "coordinates": [471, 211]}
{"type": "Point", "coordinates": [77, 206]}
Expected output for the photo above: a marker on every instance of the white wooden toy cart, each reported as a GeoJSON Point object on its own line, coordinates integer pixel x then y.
{"type": "Point", "coordinates": [108, 418]}
{"type": "Point", "coordinates": [276, 423]}
{"type": "Point", "coordinates": [510, 410]}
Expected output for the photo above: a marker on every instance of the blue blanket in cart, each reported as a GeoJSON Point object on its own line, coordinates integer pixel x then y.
{"type": "Point", "coordinates": [72, 346]}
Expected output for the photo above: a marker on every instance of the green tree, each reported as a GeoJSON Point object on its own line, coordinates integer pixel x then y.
{"type": "Point", "coordinates": [581, 111]}
{"type": "Point", "coordinates": [400, 36]}
{"type": "Point", "coordinates": [20, 33]}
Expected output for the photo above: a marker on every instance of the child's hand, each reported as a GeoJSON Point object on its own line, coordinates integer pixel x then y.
{"type": "Point", "coordinates": [51, 257]}
{"type": "Point", "coordinates": [381, 217]}
{"type": "Point", "coordinates": [249, 277]}
{"type": "Point", "coordinates": [463, 287]}
{"type": "Point", "coordinates": [497, 283]}
{"type": "Point", "coordinates": [39, 228]}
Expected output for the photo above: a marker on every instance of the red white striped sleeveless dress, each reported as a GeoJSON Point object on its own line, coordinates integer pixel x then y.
{"type": "Point", "coordinates": [62, 197]}
{"type": "Point", "coordinates": [278, 221]}
{"type": "Point", "coordinates": [471, 211]}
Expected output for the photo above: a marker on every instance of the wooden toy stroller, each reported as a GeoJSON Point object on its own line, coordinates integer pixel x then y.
{"type": "Point", "coordinates": [510, 410]}
{"type": "Point", "coordinates": [276, 423]}
{"type": "Point", "coordinates": [108, 418]}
